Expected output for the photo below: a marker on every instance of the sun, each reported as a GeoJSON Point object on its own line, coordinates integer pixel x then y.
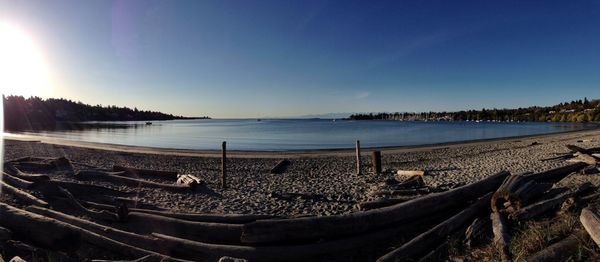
{"type": "Point", "coordinates": [23, 70]}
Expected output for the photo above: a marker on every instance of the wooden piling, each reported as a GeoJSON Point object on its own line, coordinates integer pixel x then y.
{"type": "Point", "coordinates": [358, 157]}
{"type": "Point", "coordinates": [377, 162]}
{"type": "Point", "coordinates": [224, 165]}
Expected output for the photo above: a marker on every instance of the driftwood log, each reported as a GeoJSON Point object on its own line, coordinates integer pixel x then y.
{"type": "Point", "coordinates": [281, 167]}
{"type": "Point", "coordinates": [119, 179]}
{"type": "Point", "coordinates": [145, 173]}
{"type": "Point", "coordinates": [21, 195]}
{"type": "Point", "coordinates": [546, 205]}
{"type": "Point", "coordinates": [298, 252]}
{"type": "Point", "coordinates": [440, 253]}
{"type": "Point", "coordinates": [404, 173]}
{"type": "Point", "coordinates": [562, 250]}
{"type": "Point", "coordinates": [12, 170]}
{"type": "Point", "coordinates": [384, 202]}
{"type": "Point", "coordinates": [198, 217]}
{"type": "Point", "coordinates": [330, 226]}
{"type": "Point", "coordinates": [15, 181]}
{"type": "Point", "coordinates": [501, 236]}
{"type": "Point", "coordinates": [417, 247]}
{"type": "Point", "coordinates": [100, 239]}
{"type": "Point", "coordinates": [202, 231]}
{"type": "Point", "coordinates": [585, 158]}
{"type": "Point", "coordinates": [39, 230]}
{"type": "Point", "coordinates": [591, 223]}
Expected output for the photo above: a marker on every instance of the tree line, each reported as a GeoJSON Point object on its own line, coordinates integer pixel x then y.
{"type": "Point", "coordinates": [575, 111]}
{"type": "Point", "coordinates": [36, 113]}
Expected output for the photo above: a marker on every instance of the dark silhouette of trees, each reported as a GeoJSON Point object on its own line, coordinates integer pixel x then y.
{"type": "Point", "coordinates": [36, 113]}
{"type": "Point", "coordinates": [575, 111]}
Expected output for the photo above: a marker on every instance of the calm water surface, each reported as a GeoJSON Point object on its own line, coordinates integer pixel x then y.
{"type": "Point", "coordinates": [299, 134]}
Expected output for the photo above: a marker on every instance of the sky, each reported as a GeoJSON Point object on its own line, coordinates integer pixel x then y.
{"type": "Point", "coordinates": [282, 58]}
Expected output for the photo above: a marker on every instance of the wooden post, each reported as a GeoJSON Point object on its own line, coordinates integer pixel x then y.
{"type": "Point", "coordinates": [377, 162]}
{"type": "Point", "coordinates": [358, 157]}
{"type": "Point", "coordinates": [224, 165]}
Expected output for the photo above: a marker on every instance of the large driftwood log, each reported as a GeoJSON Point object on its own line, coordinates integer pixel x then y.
{"type": "Point", "coordinates": [39, 230]}
{"type": "Point", "coordinates": [501, 236]}
{"type": "Point", "coordinates": [145, 173]}
{"type": "Point", "coordinates": [15, 181]}
{"type": "Point", "coordinates": [298, 252]}
{"type": "Point", "coordinates": [119, 179]}
{"type": "Point", "coordinates": [281, 167]}
{"type": "Point", "coordinates": [546, 205]}
{"type": "Point", "coordinates": [576, 149]}
{"type": "Point", "coordinates": [12, 170]}
{"type": "Point", "coordinates": [517, 192]}
{"type": "Point", "coordinates": [21, 195]}
{"type": "Point", "coordinates": [148, 242]}
{"type": "Point", "coordinates": [74, 206]}
{"type": "Point", "coordinates": [358, 222]}
{"type": "Point", "coordinates": [5, 234]}
{"type": "Point", "coordinates": [384, 202]}
{"type": "Point", "coordinates": [591, 223]}
{"type": "Point", "coordinates": [557, 174]}
{"type": "Point", "coordinates": [148, 258]}
{"type": "Point", "coordinates": [198, 217]}
{"type": "Point", "coordinates": [560, 251]}
{"type": "Point", "coordinates": [418, 246]}
{"type": "Point", "coordinates": [100, 239]}
{"type": "Point", "coordinates": [402, 192]}
{"type": "Point", "coordinates": [202, 231]}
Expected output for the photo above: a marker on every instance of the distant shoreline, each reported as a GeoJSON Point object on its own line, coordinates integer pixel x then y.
{"type": "Point", "coordinates": [275, 153]}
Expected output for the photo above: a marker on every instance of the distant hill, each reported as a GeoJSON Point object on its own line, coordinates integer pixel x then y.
{"type": "Point", "coordinates": [575, 111]}
{"type": "Point", "coordinates": [37, 113]}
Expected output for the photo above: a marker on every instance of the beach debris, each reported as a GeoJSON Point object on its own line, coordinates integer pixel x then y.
{"type": "Point", "coordinates": [190, 181]}
{"type": "Point", "coordinates": [405, 173]}
{"type": "Point", "coordinates": [56, 235]}
{"type": "Point", "coordinates": [417, 247]}
{"type": "Point", "coordinates": [577, 149]}
{"type": "Point", "coordinates": [562, 250]}
{"type": "Point", "coordinates": [144, 173]}
{"type": "Point", "coordinates": [231, 259]}
{"type": "Point", "coordinates": [590, 170]}
{"type": "Point", "coordinates": [501, 236]}
{"type": "Point", "coordinates": [541, 207]}
{"type": "Point", "coordinates": [478, 231]}
{"type": "Point", "coordinates": [591, 222]}
{"type": "Point", "coordinates": [585, 158]}
{"type": "Point", "coordinates": [411, 182]}
{"type": "Point", "coordinates": [280, 167]}
{"type": "Point", "coordinates": [21, 195]}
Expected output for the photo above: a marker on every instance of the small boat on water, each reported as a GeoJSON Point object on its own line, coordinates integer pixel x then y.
{"type": "Point", "coordinates": [148, 123]}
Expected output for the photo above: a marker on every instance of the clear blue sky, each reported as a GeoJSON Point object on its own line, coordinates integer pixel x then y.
{"type": "Point", "coordinates": [285, 58]}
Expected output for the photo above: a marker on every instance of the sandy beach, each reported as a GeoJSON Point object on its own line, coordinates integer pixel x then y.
{"type": "Point", "coordinates": [327, 177]}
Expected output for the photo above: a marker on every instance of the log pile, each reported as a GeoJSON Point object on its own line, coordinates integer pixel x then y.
{"type": "Point", "coordinates": [413, 221]}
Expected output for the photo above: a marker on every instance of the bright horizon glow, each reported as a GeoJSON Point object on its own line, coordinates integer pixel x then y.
{"type": "Point", "coordinates": [23, 70]}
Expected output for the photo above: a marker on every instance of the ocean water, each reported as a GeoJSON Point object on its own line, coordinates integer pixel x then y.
{"type": "Point", "coordinates": [297, 134]}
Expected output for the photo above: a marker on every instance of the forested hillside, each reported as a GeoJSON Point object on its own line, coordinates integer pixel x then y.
{"type": "Point", "coordinates": [38, 113]}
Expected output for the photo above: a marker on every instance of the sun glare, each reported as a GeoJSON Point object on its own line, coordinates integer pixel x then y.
{"type": "Point", "coordinates": [23, 70]}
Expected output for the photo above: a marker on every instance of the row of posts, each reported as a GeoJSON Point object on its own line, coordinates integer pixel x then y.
{"type": "Point", "coordinates": [376, 162]}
